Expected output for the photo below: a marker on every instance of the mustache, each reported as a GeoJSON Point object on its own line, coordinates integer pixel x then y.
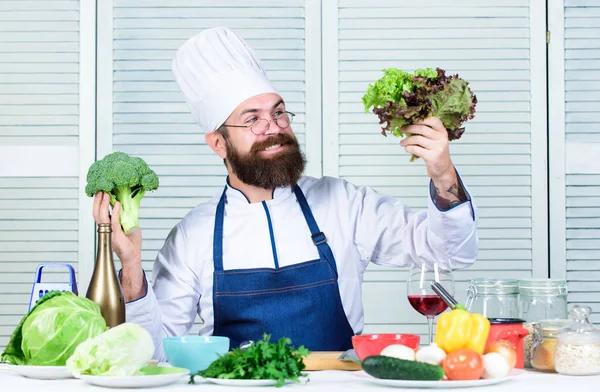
{"type": "Point", "coordinates": [281, 138]}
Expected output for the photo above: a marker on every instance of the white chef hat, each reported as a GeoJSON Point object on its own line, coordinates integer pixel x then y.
{"type": "Point", "coordinates": [216, 70]}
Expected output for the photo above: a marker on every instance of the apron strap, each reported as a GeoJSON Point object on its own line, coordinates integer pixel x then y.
{"type": "Point", "coordinates": [218, 233]}
{"type": "Point", "coordinates": [318, 237]}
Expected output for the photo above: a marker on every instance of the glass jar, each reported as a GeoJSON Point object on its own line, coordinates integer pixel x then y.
{"type": "Point", "coordinates": [543, 342]}
{"type": "Point", "coordinates": [528, 343]}
{"type": "Point", "coordinates": [493, 298]}
{"type": "Point", "coordinates": [542, 299]}
{"type": "Point", "coordinates": [578, 346]}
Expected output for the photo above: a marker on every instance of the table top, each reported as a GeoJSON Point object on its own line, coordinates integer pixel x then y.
{"type": "Point", "coordinates": [329, 380]}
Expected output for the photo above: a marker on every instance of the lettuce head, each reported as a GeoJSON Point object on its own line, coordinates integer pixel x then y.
{"type": "Point", "coordinates": [121, 351]}
{"type": "Point", "coordinates": [51, 331]}
{"type": "Point", "coordinates": [401, 98]}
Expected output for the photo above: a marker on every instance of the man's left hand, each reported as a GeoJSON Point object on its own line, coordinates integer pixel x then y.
{"type": "Point", "coordinates": [429, 141]}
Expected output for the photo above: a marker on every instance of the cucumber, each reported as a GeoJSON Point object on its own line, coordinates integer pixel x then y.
{"type": "Point", "coordinates": [380, 366]}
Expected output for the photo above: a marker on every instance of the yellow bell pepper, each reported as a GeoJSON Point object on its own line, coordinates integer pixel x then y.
{"type": "Point", "coordinates": [460, 329]}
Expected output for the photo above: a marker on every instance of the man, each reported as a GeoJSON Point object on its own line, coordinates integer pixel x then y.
{"type": "Point", "coordinates": [278, 252]}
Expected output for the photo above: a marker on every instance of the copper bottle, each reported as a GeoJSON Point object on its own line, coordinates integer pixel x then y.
{"type": "Point", "coordinates": [105, 288]}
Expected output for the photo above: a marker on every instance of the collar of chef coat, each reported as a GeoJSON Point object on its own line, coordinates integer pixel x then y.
{"type": "Point", "coordinates": [235, 197]}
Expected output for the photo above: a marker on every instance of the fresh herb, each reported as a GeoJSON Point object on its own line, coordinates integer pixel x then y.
{"type": "Point", "coordinates": [261, 360]}
{"type": "Point", "coordinates": [400, 98]}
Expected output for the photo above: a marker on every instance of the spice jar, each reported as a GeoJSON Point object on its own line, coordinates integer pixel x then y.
{"type": "Point", "coordinates": [542, 299]}
{"type": "Point", "coordinates": [544, 342]}
{"type": "Point", "coordinates": [493, 298]}
{"type": "Point", "coordinates": [578, 346]}
{"type": "Point", "coordinates": [528, 343]}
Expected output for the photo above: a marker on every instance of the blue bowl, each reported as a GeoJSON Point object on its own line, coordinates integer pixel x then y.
{"type": "Point", "coordinates": [194, 352]}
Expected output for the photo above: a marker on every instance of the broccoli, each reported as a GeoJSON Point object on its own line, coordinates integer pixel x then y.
{"type": "Point", "coordinates": [126, 179]}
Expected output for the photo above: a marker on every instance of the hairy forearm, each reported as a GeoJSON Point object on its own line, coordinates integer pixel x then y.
{"type": "Point", "coordinates": [448, 192]}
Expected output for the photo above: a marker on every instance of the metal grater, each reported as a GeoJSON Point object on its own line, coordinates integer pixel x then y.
{"type": "Point", "coordinates": [40, 289]}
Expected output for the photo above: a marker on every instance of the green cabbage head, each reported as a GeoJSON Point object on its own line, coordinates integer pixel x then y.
{"type": "Point", "coordinates": [49, 334]}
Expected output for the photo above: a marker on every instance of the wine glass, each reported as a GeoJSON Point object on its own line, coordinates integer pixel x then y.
{"type": "Point", "coordinates": [420, 294]}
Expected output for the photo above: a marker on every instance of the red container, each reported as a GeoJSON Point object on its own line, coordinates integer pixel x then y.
{"type": "Point", "coordinates": [373, 344]}
{"type": "Point", "coordinates": [512, 330]}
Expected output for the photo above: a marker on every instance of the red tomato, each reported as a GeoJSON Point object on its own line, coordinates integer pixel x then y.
{"type": "Point", "coordinates": [506, 349]}
{"type": "Point", "coordinates": [463, 364]}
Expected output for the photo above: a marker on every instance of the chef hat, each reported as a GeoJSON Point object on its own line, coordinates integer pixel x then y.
{"type": "Point", "coordinates": [216, 70]}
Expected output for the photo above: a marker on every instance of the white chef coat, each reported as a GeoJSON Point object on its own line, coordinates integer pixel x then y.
{"type": "Point", "coordinates": [361, 226]}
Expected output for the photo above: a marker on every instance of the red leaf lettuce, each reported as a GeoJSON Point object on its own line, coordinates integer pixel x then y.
{"type": "Point", "coordinates": [400, 98]}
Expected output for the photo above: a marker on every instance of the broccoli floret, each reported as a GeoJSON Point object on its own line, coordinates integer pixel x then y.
{"type": "Point", "coordinates": [126, 179]}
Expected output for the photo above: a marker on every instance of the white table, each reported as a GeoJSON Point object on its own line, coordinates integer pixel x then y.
{"type": "Point", "coordinates": [327, 381]}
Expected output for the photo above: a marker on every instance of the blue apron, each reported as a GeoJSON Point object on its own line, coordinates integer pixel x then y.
{"type": "Point", "coordinates": [300, 301]}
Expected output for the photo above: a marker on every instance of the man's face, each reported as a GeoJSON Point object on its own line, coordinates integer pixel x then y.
{"type": "Point", "coordinates": [268, 160]}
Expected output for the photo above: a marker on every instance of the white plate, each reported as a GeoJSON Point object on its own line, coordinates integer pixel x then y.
{"type": "Point", "coordinates": [143, 381]}
{"type": "Point", "coordinates": [437, 384]}
{"type": "Point", "coordinates": [41, 372]}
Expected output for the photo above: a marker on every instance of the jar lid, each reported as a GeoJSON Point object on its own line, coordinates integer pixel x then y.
{"type": "Point", "coordinates": [552, 327]}
{"type": "Point", "coordinates": [580, 330]}
{"type": "Point", "coordinates": [499, 320]}
{"type": "Point", "coordinates": [494, 286]}
{"type": "Point", "coordinates": [554, 324]}
{"type": "Point", "coordinates": [543, 286]}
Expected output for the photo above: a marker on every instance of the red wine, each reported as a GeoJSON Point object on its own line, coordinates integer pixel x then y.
{"type": "Point", "coordinates": [427, 305]}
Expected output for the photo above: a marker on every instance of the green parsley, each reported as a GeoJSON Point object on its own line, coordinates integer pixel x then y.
{"type": "Point", "coordinates": [261, 360]}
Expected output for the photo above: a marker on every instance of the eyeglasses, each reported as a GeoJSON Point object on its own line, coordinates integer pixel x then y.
{"type": "Point", "coordinates": [261, 125]}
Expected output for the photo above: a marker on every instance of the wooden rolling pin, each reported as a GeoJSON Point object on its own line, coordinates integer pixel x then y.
{"type": "Point", "coordinates": [328, 360]}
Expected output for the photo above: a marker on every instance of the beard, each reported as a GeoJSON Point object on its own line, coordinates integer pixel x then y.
{"type": "Point", "coordinates": [279, 170]}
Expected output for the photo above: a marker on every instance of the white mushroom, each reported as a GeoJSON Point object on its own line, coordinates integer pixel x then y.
{"type": "Point", "coordinates": [399, 351]}
{"type": "Point", "coordinates": [432, 354]}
